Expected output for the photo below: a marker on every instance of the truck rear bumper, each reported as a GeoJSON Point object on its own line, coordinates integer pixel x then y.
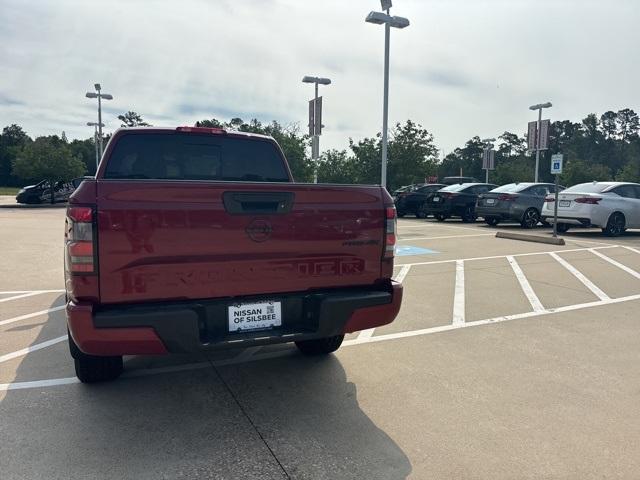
{"type": "Point", "coordinates": [182, 327]}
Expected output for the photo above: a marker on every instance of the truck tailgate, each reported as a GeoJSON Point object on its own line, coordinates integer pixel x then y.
{"type": "Point", "coordinates": [170, 240]}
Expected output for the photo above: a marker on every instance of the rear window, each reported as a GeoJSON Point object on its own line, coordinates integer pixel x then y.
{"type": "Point", "coordinates": [509, 187]}
{"type": "Point", "coordinates": [179, 156]}
{"type": "Point", "coordinates": [588, 188]}
{"type": "Point", "coordinates": [455, 188]}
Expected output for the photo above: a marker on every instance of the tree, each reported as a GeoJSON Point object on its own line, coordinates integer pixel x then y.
{"type": "Point", "coordinates": [578, 171]}
{"type": "Point", "coordinates": [47, 158]}
{"type": "Point", "coordinates": [630, 172]}
{"type": "Point", "coordinates": [628, 124]}
{"type": "Point", "coordinates": [336, 166]}
{"type": "Point", "coordinates": [608, 123]}
{"type": "Point", "coordinates": [132, 119]}
{"type": "Point", "coordinates": [12, 139]}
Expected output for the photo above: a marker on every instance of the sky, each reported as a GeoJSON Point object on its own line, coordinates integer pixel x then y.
{"type": "Point", "coordinates": [462, 68]}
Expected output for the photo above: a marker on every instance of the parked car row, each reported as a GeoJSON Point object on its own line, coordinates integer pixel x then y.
{"type": "Point", "coordinates": [611, 206]}
{"type": "Point", "coordinates": [41, 192]}
{"type": "Point", "coordinates": [410, 199]}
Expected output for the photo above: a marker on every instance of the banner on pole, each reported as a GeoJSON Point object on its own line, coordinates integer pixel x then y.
{"type": "Point", "coordinates": [488, 159]}
{"type": "Point", "coordinates": [318, 117]}
{"type": "Point", "coordinates": [532, 135]}
{"type": "Point", "coordinates": [311, 118]}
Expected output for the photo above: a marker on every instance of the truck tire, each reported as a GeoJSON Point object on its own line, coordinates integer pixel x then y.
{"type": "Point", "coordinates": [320, 346]}
{"type": "Point", "coordinates": [93, 369]}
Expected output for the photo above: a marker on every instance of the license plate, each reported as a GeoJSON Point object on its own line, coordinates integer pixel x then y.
{"type": "Point", "coordinates": [565, 203]}
{"type": "Point", "coordinates": [436, 199]}
{"type": "Point", "coordinates": [490, 201]}
{"type": "Point", "coordinates": [254, 316]}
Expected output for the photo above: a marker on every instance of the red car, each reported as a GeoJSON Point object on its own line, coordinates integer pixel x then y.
{"type": "Point", "coordinates": [197, 238]}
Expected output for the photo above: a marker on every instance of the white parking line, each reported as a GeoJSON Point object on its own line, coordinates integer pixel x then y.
{"type": "Point", "coordinates": [576, 273]}
{"type": "Point", "coordinates": [630, 271]}
{"type": "Point", "coordinates": [348, 343]}
{"type": "Point", "coordinates": [32, 348]}
{"type": "Point", "coordinates": [15, 292]}
{"type": "Point", "coordinates": [525, 285]}
{"type": "Point", "coordinates": [16, 297]}
{"type": "Point", "coordinates": [399, 278]}
{"type": "Point", "coordinates": [458, 295]}
{"type": "Point", "coordinates": [632, 249]}
{"type": "Point", "coordinates": [30, 315]}
{"type": "Point", "coordinates": [506, 318]}
{"type": "Point", "coordinates": [492, 257]}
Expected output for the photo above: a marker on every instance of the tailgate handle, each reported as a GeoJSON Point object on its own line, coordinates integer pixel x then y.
{"type": "Point", "coordinates": [256, 203]}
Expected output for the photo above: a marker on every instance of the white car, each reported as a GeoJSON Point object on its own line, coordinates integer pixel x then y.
{"type": "Point", "coordinates": [612, 206]}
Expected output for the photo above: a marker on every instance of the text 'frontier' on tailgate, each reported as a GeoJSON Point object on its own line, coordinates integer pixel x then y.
{"type": "Point", "coordinates": [191, 239]}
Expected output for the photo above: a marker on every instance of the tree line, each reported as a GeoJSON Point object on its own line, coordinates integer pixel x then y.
{"type": "Point", "coordinates": [605, 147]}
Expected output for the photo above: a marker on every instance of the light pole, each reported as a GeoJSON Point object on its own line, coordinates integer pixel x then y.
{"type": "Point", "coordinates": [315, 122]}
{"type": "Point", "coordinates": [95, 140]}
{"type": "Point", "coordinates": [380, 18]}
{"type": "Point", "coordinates": [539, 107]}
{"type": "Point", "coordinates": [488, 146]}
{"type": "Point", "coordinates": [99, 95]}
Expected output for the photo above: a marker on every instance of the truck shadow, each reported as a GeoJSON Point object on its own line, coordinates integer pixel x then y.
{"type": "Point", "coordinates": [200, 422]}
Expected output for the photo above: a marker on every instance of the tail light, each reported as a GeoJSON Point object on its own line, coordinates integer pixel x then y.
{"type": "Point", "coordinates": [390, 232]}
{"type": "Point", "coordinates": [448, 194]}
{"type": "Point", "coordinates": [80, 240]}
{"type": "Point", "coordinates": [588, 200]}
{"type": "Point", "coordinates": [549, 199]}
{"type": "Point", "coordinates": [507, 197]}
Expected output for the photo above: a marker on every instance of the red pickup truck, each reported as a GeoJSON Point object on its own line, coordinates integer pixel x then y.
{"type": "Point", "coordinates": [197, 238]}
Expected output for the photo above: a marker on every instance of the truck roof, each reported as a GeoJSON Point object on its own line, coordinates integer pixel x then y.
{"type": "Point", "coordinates": [189, 129]}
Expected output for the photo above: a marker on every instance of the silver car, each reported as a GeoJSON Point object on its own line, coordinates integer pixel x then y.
{"type": "Point", "coordinates": [519, 202]}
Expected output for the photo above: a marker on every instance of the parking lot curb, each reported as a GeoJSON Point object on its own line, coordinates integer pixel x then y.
{"type": "Point", "coordinates": [530, 238]}
{"type": "Point", "coordinates": [40, 205]}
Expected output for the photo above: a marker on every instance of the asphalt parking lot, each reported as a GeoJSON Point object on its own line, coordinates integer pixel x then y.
{"type": "Point", "coordinates": [509, 359]}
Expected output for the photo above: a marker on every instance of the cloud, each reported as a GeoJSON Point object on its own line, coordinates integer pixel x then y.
{"type": "Point", "coordinates": [462, 68]}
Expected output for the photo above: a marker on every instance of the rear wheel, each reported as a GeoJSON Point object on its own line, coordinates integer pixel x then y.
{"type": "Point", "coordinates": [530, 218]}
{"type": "Point", "coordinates": [468, 215]}
{"type": "Point", "coordinates": [562, 227]}
{"type": "Point", "coordinates": [92, 368]}
{"type": "Point", "coordinates": [320, 346]}
{"type": "Point", "coordinates": [615, 225]}
{"type": "Point", "coordinates": [421, 212]}
{"type": "Point", "coordinates": [492, 221]}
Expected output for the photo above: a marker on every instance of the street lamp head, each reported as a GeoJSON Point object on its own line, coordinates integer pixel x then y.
{"type": "Point", "coordinates": [91, 95]}
{"type": "Point", "coordinates": [399, 22]}
{"type": "Point", "coordinates": [106, 96]}
{"type": "Point", "coordinates": [377, 17]}
{"type": "Point", "coordinates": [94, 124]}
{"type": "Point", "coordinates": [385, 4]}
{"type": "Point", "coordinates": [540, 105]}
{"type": "Point", "coordinates": [380, 18]}
{"type": "Point", "coordinates": [320, 80]}
{"type": "Point", "coordinates": [97, 86]}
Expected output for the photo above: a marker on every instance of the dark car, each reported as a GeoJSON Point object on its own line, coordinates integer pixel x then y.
{"type": "Point", "coordinates": [520, 202]}
{"type": "Point", "coordinates": [41, 192]}
{"type": "Point", "coordinates": [457, 200]}
{"type": "Point", "coordinates": [454, 180]}
{"type": "Point", "coordinates": [412, 202]}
